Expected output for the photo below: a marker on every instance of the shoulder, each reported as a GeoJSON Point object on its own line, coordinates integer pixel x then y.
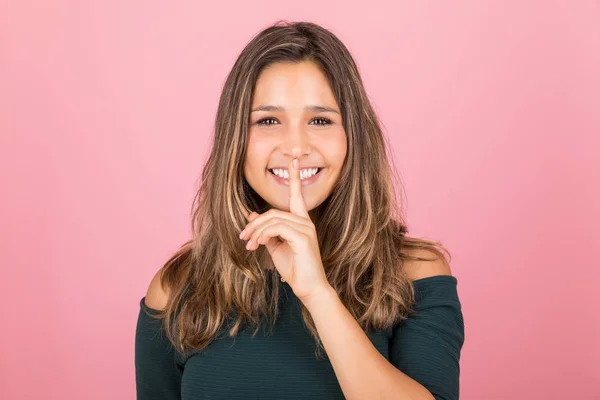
{"type": "Point", "coordinates": [156, 295]}
{"type": "Point", "coordinates": [418, 269]}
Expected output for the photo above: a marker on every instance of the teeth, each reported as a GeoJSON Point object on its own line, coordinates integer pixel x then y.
{"type": "Point", "coordinates": [304, 173]}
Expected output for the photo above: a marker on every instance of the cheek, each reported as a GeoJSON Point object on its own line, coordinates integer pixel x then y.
{"type": "Point", "coordinates": [257, 152]}
{"type": "Point", "coordinates": [335, 149]}
{"type": "Point", "coordinates": [254, 149]}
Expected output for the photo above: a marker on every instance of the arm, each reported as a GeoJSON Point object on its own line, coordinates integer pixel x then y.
{"type": "Point", "coordinates": [363, 373]}
{"type": "Point", "coordinates": [427, 345]}
{"type": "Point", "coordinates": [157, 374]}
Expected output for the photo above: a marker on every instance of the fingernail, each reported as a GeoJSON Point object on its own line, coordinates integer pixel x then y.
{"type": "Point", "coordinates": [295, 162]}
{"type": "Point", "coordinates": [249, 244]}
{"type": "Point", "coordinates": [242, 233]}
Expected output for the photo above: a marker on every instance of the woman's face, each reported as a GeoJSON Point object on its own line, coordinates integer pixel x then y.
{"type": "Point", "coordinates": [294, 115]}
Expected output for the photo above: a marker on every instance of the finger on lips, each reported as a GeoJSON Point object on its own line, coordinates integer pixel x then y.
{"type": "Point", "coordinates": [297, 214]}
{"type": "Point", "coordinates": [297, 205]}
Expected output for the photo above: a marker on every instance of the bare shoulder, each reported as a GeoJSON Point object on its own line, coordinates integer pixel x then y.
{"type": "Point", "coordinates": [416, 269]}
{"type": "Point", "coordinates": [157, 295]}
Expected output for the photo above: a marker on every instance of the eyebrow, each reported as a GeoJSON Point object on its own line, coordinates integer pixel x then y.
{"type": "Point", "coordinates": [307, 108]}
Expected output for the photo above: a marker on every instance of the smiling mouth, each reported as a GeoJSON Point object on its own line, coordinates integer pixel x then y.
{"type": "Point", "coordinates": [305, 173]}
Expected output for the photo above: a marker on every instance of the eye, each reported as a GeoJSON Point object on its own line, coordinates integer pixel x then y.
{"type": "Point", "coordinates": [324, 121]}
{"type": "Point", "coordinates": [271, 121]}
{"type": "Point", "coordinates": [263, 121]}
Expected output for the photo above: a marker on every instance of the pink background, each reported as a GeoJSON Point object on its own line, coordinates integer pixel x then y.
{"type": "Point", "coordinates": [106, 109]}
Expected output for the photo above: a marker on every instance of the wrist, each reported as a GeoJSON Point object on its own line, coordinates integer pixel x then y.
{"type": "Point", "coordinates": [319, 296]}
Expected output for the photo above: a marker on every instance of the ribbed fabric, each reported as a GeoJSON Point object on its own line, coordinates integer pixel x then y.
{"type": "Point", "coordinates": [282, 365]}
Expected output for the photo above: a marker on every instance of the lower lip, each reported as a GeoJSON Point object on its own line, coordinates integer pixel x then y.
{"type": "Point", "coordinates": [305, 182]}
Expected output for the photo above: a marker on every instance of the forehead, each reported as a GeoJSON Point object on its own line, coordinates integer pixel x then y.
{"type": "Point", "coordinates": [292, 82]}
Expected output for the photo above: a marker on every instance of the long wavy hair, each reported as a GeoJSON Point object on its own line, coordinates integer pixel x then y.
{"type": "Point", "coordinates": [214, 283]}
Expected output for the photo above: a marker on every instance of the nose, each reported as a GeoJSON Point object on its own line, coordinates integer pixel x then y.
{"type": "Point", "coordinates": [295, 143]}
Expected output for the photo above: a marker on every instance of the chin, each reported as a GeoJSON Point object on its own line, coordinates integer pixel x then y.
{"type": "Point", "coordinates": [285, 206]}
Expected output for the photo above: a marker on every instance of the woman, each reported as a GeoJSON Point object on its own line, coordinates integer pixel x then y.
{"type": "Point", "coordinates": [300, 281]}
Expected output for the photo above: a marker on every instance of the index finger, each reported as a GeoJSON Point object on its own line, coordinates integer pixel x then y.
{"type": "Point", "coordinates": [297, 205]}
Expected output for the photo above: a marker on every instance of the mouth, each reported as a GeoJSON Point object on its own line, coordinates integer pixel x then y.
{"type": "Point", "coordinates": [308, 176]}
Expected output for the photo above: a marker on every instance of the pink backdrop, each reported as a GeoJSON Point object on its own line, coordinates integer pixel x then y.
{"type": "Point", "coordinates": [105, 113]}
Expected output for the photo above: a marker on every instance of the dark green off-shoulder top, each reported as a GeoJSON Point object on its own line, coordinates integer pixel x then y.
{"type": "Point", "coordinates": [282, 365]}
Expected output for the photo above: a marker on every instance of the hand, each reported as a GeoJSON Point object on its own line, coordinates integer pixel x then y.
{"type": "Point", "coordinates": [291, 240]}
